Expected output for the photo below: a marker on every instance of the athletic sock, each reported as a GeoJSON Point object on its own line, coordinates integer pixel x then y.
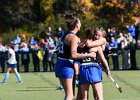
{"type": "Point", "coordinates": [18, 77]}
{"type": "Point", "coordinates": [6, 77]}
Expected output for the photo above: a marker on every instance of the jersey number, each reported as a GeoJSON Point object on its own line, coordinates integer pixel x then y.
{"type": "Point", "coordinates": [61, 47]}
{"type": "Point", "coordinates": [86, 59]}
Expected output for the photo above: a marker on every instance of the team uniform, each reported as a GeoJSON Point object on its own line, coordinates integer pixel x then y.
{"type": "Point", "coordinates": [12, 63]}
{"type": "Point", "coordinates": [64, 65]}
{"type": "Point", "coordinates": [90, 70]}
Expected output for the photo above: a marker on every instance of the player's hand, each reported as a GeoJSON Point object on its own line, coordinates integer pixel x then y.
{"type": "Point", "coordinates": [81, 44]}
{"type": "Point", "coordinates": [109, 73]}
{"type": "Point", "coordinates": [92, 54]}
{"type": "Point", "coordinates": [109, 48]}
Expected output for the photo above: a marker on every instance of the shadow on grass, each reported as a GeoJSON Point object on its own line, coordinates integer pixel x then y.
{"type": "Point", "coordinates": [30, 90]}
{"type": "Point", "coordinates": [39, 90]}
{"type": "Point", "coordinates": [40, 87]}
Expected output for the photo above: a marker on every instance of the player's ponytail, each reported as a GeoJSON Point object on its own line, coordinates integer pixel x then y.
{"type": "Point", "coordinates": [71, 21]}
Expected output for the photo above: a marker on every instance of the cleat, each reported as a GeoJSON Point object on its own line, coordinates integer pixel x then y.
{"type": "Point", "coordinates": [60, 88]}
{"type": "Point", "coordinates": [3, 82]}
{"type": "Point", "coordinates": [20, 82]}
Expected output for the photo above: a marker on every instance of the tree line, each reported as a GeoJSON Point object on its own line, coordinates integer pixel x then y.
{"type": "Point", "coordinates": [34, 16]}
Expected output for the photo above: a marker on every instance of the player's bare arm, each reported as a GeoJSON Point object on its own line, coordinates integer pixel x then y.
{"type": "Point", "coordinates": [95, 43]}
{"type": "Point", "coordinates": [74, 44]}
{"type": "Point", "coordinates": [100, 52]}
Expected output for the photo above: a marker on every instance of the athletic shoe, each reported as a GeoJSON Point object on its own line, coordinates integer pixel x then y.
{"type": "Point", "coordinates": [59, 88]}
{"type": "Point", "coordinates": [3, 82]}
{"type": "Point", "coordinates": [20, 82]}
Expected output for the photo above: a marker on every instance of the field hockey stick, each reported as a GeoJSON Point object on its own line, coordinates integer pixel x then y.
{"type": "Point", "coordinates": [111, 78]}
{"type": "Point", "coordinates": [119, 88]}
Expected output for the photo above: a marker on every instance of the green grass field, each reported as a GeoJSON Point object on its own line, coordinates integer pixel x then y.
{"type": "Point", "coordinates": [43, 85]}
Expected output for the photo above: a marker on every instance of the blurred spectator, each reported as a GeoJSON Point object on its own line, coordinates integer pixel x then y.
{"type": "Point", "coordinates": [16, 49]}
{"type": "Point", "coordinates": [17, 39]}
{"type": "Point", "coordinates": [32, 41]}
{"type": "Point", "coordinates": [41, 43]}
{"type": "Point", "coordinates": [129, 37]}
{"type": "Point", "coordinates": [35, 58]}
{"type": "Point", "coordinates": [45, 57]}
{"type": "Point", "coordinates": [137, 31]}
{"type": "Point", "coordinates": [51, 49]}
{"type": "Point", "coordinates": [2, 57]}
{"type": "Point", "coordinates": [108, 34]}
{"type": "Point", "coordinates": [131, 30]}
{"type": "Point", "coordinates": [113, 46]}
{"type": "Point", "coordinates": [43, 53]}
{"type": "Point", "coordinates": [120, 39]}
{"type": "Point", "coordinates": [59, 35]}
{"type": "Point", "coordinates": [114, 33]}
{"type": "Point", "coordinates": [25, 55]}
{"type": "Point", "coordinates": [49, 30]}
{"type": "Point", "coordinates": [125, 54]}
{"type": "Point", "coordinates": [111, 34]}
{"type": "Point", "coordinates": [60, 32]}
{"type": "Point", "coordinates": [107, 52]}
{"type": "Point", "coordinates": [34, 48]}
{"type": "Point", "coordinates": [133, 55]}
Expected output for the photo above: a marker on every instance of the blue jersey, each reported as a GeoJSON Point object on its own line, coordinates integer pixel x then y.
{"type": "Point", "coordinates": [90, 70]}
{"type": "Point", "coordinates": [64, 65]}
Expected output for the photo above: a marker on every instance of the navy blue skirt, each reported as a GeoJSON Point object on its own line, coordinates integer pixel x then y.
{"type": "Point", "coordinates": [12, 65]}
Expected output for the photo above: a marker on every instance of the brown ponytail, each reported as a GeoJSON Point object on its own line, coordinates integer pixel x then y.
{"type": "Point", "coordinates": [71, 21]}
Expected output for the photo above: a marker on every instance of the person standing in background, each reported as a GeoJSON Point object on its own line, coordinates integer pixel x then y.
{"type": "Point", "coordinates": [113, 46]}
{"type": "Point", "coordinates": [17, 39]}
{"type": "Point", "coordinates": [50, 30]}
{"type": "Point", "coordinates": [32, 41]}
{"type": "Point", "coordinates": [43, 52]}
{"type": "Point", "coordinates": [36, 61]}
{"type": "Point", "coordinates": [25, 55]}
{"type": "Point", "coordinates": [2, 57]}
{"type": "Point", "coordinates": [16, 43]}
{"type": "Point", "coordinates": [125, 54]}
{"type": "Point", "coordinates": [137, 31]}
{"type": "Point", "coordinates": [107, 52]}
{"type": "Point", "coordinates": [60, 32]}
{"type": "Point", "coordinates": [111, 33]}
{"type": "Point", "coordinates": [133, 55]}
{"type": "Point", "coordinates": [34, 48]}
{"type": "Point", "coordinates": [51, 49]}
{"type": "Point", "coordinates": [131, 30]}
